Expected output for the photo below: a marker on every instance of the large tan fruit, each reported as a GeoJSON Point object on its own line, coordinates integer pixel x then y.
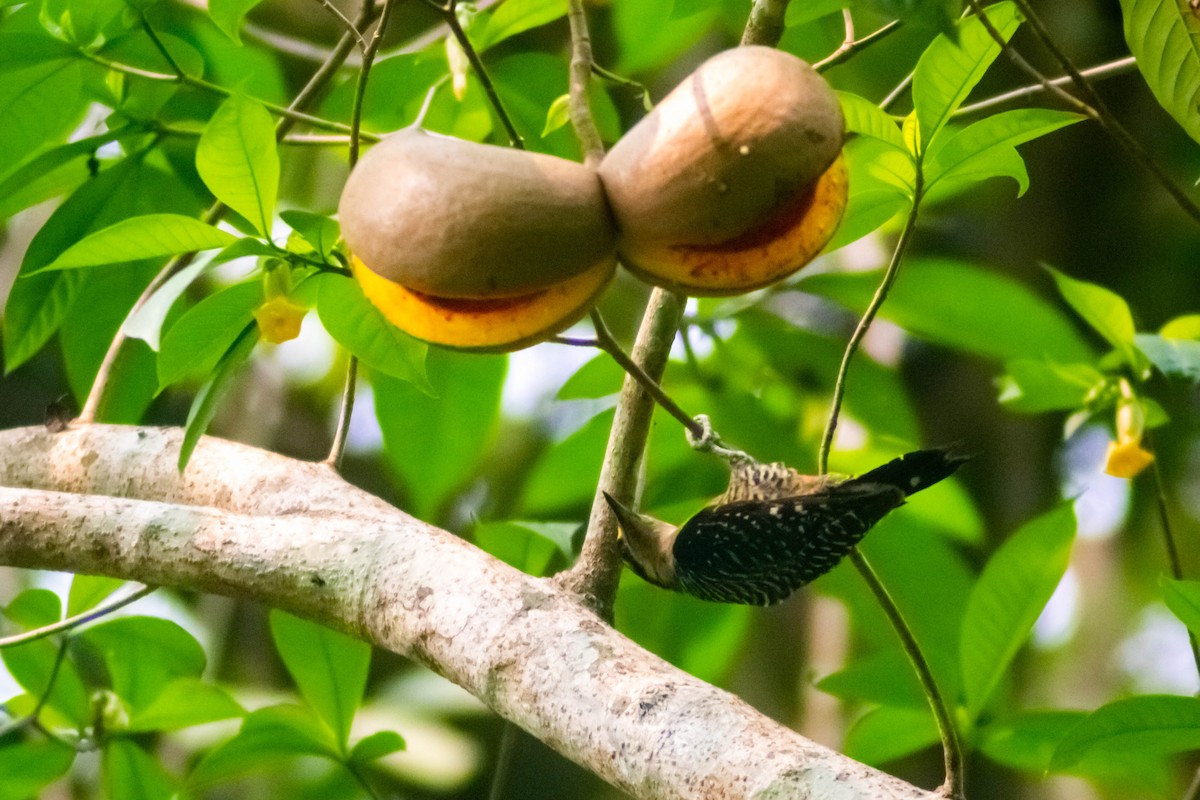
{"type": "Point", "coordinates": [734, 180]}
{"type": "Point", "coordinates": [474, 246]}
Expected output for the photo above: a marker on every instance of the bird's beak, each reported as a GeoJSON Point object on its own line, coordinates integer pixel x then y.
{"type": "Point", "coordinates": [625, 518]}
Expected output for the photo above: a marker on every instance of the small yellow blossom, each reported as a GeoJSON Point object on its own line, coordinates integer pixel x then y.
{"type": "Point", "coordinates": [279, 319]}
{"type": "Point", "coordinates": [1126, 458]}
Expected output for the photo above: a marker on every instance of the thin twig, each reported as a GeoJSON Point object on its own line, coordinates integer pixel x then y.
{"type": "Point", "coordinates": [342, 431]}
{"type": "Point", "coordinates": [32, 717]}
{"type": "Point", "coordinates": [606, 342]}
{"type": "Point", "coordinates": [898, 92]}
{"type": "Point", "coordinates": [449, 12]}
{"type": "Point", "coordinates": [581, 74]}
{"type": "Point", "coordinates": [864, 324]}
{"type": "Point", "coordinates": [319, 80]}
{"type": "Point", "coordinates": [1095, 106]}
{"type": "Point", "coordinates": [1121, 66]}
{"type": "Point", "coordinates": [765, 25]}
{"type": "Point", "coordinates": [350, 26]}
{"type": "Point", "coordinates": [77, 620]}
{"type": "Point", "coordinates": [626, 83]}
{"type": "Point", "coordinates": [851, 46]}
{"type": "Point", "coordinates": [287, 112]}
{"type": "Point", "coordinates": [951, 746]}
{"type": "Point", "coordinates": [162, 49]}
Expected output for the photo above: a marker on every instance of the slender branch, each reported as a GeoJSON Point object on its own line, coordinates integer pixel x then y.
{"type": "Point", "coordinates": [595, 575]}
{"type": "Point", "coordinates": [606, 342]}
{"type": "Point", "coordinates": [898, 92]}
{"type": "Point", "coordinates": [626, 83]}
{"type": "Point", "coordinates": [1121, 66]}
{"type": "Point", "coordinates": [951, 746]}
{"type": "Point", "coordinates": [864, 324]}
{"type": "Point", "coordinates": [765, 25]}
{"type": "Point", "coordinates": [342, 431]}
{"type": "Point", "coordinates": [77, 620]}
{"type": "Point", "coordinates": [316, 84]}
{"type": "Point", "coordinates": [581, 74]}
{"type": "Point", "coordinates": [451, 17]}
{"type": "Point", "coordinates": [1094, 107]}
{"type": "Point", "coordinates": [851, 46]}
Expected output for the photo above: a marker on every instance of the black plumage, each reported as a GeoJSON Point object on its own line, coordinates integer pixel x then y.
{"type": "Point", "coordinates": [757, 548]}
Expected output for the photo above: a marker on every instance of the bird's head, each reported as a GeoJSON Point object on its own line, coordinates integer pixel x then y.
{"type": "Point", "coordinates": [646, 544]}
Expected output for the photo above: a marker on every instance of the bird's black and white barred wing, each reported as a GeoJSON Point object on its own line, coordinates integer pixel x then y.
{"type": "Point", "coordinates": [759, 553]}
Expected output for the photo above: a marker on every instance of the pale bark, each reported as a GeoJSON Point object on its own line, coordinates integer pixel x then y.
{"type": "Point", "coordinates": [252, 524]}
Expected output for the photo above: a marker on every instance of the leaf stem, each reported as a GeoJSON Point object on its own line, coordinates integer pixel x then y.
{"type": "Point", "coordinates": [951, 746]}
{"type": "Point", "coordinates": [1174, 562]}
{"type": "Point", "coordinates": [864, 324]}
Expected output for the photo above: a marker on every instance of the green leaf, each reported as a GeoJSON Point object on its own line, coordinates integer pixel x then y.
{"type": "Point", "coordinates": [205, 333]}
{"type": "Point", "coordinates": [204, 406]}
{"type": "Point", "coordinates": [359, 327]}
{"type": "Point", "coordinates": [40, 102]}
{"type": "Point", "coordinates": [867, 119]}
{"type": "Point", "coordinates": [884, 678]}
{"type": "Point", "coordinates": [525, 546]}
{"type": "Point", "coordinates": [34, 608]}
{"type": "Point", "coordinates": [38, 304]}
{"type": "Point", "coordinates": [88, 591]}
{"type": "Point", "coordinates": [228, 15]}
{"type": "Point", "coordinates": [376, 746]}
{"type": "Point", "coordinates": [1185, 327]}
{"type": "Point", "coordinates": [564, 478]}
{"type": "Point", "coordinates": [947, 72]}
{"type": "Point", "coordinates": [31, 665]}
{"type": "Point", "coordinates": [329, 668]}
{"type": "Point", "coordinates": [973, 150]}
{"type": "Point", "coordinates": [965, 307]}
{"type": "Point", "coordinates": [557, 115]}
{"type": "Point", "coordinates": [146, 323]}
{"type": "Point", "coordinates": [45, 175]}
{"type": "Point", "coordinates": [1183, 598]}
{"type": "Point", "coordinates": [130, 773]}
{"type": "Point", "coordinates": [516, 16]}
{"type": "Point", "coordinates": [599, 377]}
{"type": "Point", "coordinates": [268, 736]}
{"type": "Point", "coordinates": [1103, 309]}
{"type": "Point", "coordinates": [1031, 386]}
{"type": "Point", "coordinates": [1177, 358]}
{"type": "Point", "coordinates": [802, 13]}
{"type": "Point", "coordinates": [1006, 601]}
{"type": "Point", "coordinates": [318, 230]}
{"type": "Point", "coordinates": [143, 655]}
{"type": "Point", "coordinates": [1164, 35]}
{"type": "Point", "coordinates": [27, 766]}
{"type": "Point", "coordinates": [149, 236]}
{"type": "Point", "coordinates": [239, 162]}
{"type": "Point", "coordinates": [452, 431]}
{"type": "Point", "coordinates": [889, 733]}
{"type": "Point", "coordinates": [182, 703]}
{"type": "Point", "coordinates": [1144, 725]}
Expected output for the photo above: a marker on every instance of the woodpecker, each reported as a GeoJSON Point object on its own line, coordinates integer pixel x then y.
{"type": "Point", "coordinates": [773, 530]}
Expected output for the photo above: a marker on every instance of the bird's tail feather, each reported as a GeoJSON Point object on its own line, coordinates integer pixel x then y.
{"type": "Point", "coordinates": [915, 471]}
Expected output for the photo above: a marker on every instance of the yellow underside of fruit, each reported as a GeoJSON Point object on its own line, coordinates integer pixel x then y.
{"type": "Point", "coordinates": [761, 256]}
{"type": "Point", "coordinates": [495, 325]}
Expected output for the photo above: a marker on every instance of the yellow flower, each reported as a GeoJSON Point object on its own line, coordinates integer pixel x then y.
{"type": "Point", "coordinates": [279, 319]}
{"type": "Point", "coordinates": [1126, 458]}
